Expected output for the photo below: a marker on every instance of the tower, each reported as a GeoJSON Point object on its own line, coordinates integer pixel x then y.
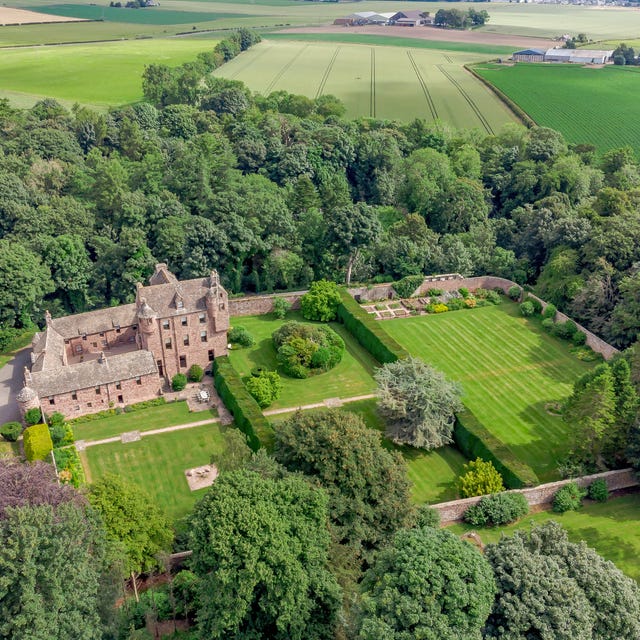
{"type": "Point", "coordinates": [217, 304]}
{"type": "Point", "coordinates": [27, 397]}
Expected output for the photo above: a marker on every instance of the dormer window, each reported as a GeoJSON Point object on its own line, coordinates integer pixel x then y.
{"type": "Point", "coordinates": [179, 304]}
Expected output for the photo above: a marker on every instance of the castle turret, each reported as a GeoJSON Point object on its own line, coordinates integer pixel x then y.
{"type": "Point", "coordinates": [217, 303]}
{"type": "Point", "coordinates": [27, 397]}
{"type": "Point", "coordinates": [146, 317]}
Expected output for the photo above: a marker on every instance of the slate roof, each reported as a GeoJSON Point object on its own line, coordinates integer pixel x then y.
{"type": "Point", "coordinates": [47, 350]}
{"type": "Point", "coordinates": [413, 14]}
{"type": "Point", "coordinates": [84, 375]}
{"type": "Point", "coordinates": [163, 298]}
{"type": "Point", "coordinates": [95, 321]}
{"type": "Point", "coordinates": [529, 52]}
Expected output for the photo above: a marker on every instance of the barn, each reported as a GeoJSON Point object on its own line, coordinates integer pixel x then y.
{"type": "Point", "coordinates": [529, 55]}
{"type": "Point", "coordinates": [579, 56]}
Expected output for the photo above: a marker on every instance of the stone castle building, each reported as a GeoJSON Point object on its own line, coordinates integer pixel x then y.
{"type": "Point", "coordinates": [117, 356]}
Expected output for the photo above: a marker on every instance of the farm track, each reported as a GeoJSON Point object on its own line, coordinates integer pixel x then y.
{"type": "Point", "coordinates": [284, 69]}
{"type": "Point", "coordinates": [327, 72]}
{"type": "Point", "coordinates": [372, 93]}
{"type": "Point", "coordinates": [468, 99]}
{"type": "Point", "coordinates": [423, 84]}
{"type": "Point", "coordinates": [449, 59]}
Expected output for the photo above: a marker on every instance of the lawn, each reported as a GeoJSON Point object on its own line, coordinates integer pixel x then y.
{"type": "Point", "coordinates": [509, 369]}
{"type": "Point", "coordinates": [157, 464]}
{"type": "Point", "coordinates": [612, 529]}
{"type": "Point", "coordinates": [380, 81]}
{"type": "Point", "coordinates": [158, 417]}
{"type": "Point", "coordinates": [104, 74]}
{"type": "Point", "coordinates": [351, 377]}
{"type": "Point", "coordinates": [588, 105]}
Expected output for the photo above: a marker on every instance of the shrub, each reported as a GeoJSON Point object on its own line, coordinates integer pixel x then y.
{"type": "Point", "coordinates": [321, 302]}
{"type": "Point", "coordinates": [547, 325]}
{"type": "Point", "coordinates": [489, 295]}
{"type": "Point", "coordinates": [33, 416]}
{"type": "Point", "coordinates": [37, 442]}
{"type": "Point", "coordinates": [497, 510]}
{"type": "Point", "coordinates": [537, 305]}
{"type": "Point", "coordinates": [527, 309]}
{"type": "Point", "coordinates": [265, 388]}
{"type": "Point", "coordinates": [281, 307]}
{"type": "Point", "coordinates": [470, 303]}
{"type": "Point", "coordinates": [568, 498]}
{"type": "Point", "coordinates": [434, 293]}
{"type": "Point", "coordinates": [565, 330]}
{"type": "Point", "coordinates": [514, 292]}
{"type": "Point", "coordinates": [195, 373]}
{"type": "Point", "coordinates": [579, 338]}
{"type": "Point", "coordinates": [456, 303]}
{"type": "Point", "coordinates": [11, 431]}
{"type": "Point", "coordinates": [480, 478]}
{"type": "Point", "coordinates": [550, 311]}
{"type": "Point", "coordinates": [406, 287]}
{"type": "Point", "coordinates": [440, 308]}
{"type": "Point", "coordinates": [70, 469]}
{"type": "Point", "coordinates": [179, 382]}
{"type": "Point", "coordinates": [427, 516]}
{"type": "Point", "coordinates": [239, 335]}
{"type": "Point", "coordinates": [598, 490]}
{"type": "Point", "coordinates": [61, 434]}
{"type": "Point", "coordinates": [464, 292]}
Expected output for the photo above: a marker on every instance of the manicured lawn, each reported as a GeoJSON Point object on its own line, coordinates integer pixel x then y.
{"type": "Point", "coordinates": [509, 369]}
{"type": "Point", "coordinates": [351, 377]}
{"type": "Point", "coordinates": [158, 417]}
{"type": "Point", "coordinates": [612, 529]}
{"type": "Point", "coordinates": [157, 464]}
{"type": "Point", "coordinates": [433, 474]}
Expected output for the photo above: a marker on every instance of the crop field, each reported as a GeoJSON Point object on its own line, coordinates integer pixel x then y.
{"type": "Point", "coordinates": [509, 370]}
{"type": "Point", "coordinates": [611, 528]}
{"type": "Point", "coordinates": [588, 105]}
{"type": "Point", "coordinates": [375, 81]}
{"type": "Point", "coordinates": [104, 74]}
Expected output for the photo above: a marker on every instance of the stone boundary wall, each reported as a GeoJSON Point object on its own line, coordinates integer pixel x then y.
{"type": "Point", "coordinates": [453, 511]}
{"type": "Point", "coordinates": [375, 292]}
{"type": "Point", "coordinates": [261, 304]}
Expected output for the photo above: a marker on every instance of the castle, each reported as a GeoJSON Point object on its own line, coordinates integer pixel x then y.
{"type": "Point", "coordinates": [117, 356]}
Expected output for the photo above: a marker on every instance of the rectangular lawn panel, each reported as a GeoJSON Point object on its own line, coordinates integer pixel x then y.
{"type": "Point", "coordinates": [157, 464]}
{"type": "Point", "coordinates": [351, 377]}
{"type": "Point", "coordinates": [611, 528]}
{"type": "Point", "coordinates": [509, 370]}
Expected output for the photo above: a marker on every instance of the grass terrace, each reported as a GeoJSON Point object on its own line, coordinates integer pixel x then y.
{"type": "Point", "coordinates": [157, 464]}
{"type": "Point", "coordinates": [351, 377]}
{"type": "Point", "coordinates": [611, 528]}
{"type": "Point", "coordinates": [510, 371]}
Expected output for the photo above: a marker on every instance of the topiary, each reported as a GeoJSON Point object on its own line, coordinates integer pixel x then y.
{"type": "Point", "coordinates": [11, 431]}
{"type": "Point", "coordinates": [179, 382]}
{"type": "Point", "coordinates": [496, 510]}
{"type": "Point", "coordinates": [33, 416]}
{"type": "Point", "coordinates": [195, 373]}
{"type": "Point", "coordinates": [568, 498]}
{"type": "Point", "coordinates": [37, 442]}
{"type": "Point", "coordinates": [550, 311]}
{"type": "Point", "coordinates": [527, 309]}
{"type": "Point", "coordinates": [598, 490]}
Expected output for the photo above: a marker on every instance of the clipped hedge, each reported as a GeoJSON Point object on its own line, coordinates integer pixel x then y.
{"type": "Point", "coordinates": [246, 412]}
{"type": "Point", "coordinates": [37, 442]}
{"type": "Point", "coordinates": [368, 331]}
{"type": "Point", "coordinates": [475, 441]}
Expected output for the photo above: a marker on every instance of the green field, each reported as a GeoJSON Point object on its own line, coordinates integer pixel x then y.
{"type": "Point", "coordinates": [612, 529]}
{"type": "Point", "coordinates": [597, 106]}
{"type": "Point", "coordinates": [157, 464]}
{"type": "Point", "coordinates": [158, 417]}
{"type": "Point", "coordinates": [104, 74]}
{"type": "Point", "coordinates": [509, 369]}
{"type": "Point", "coordinates": [351, 377]}
{"type": "Point", "coordinates": [375, 81]}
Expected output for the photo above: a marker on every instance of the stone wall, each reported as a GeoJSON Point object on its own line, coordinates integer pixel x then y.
{"type": "Point", "coordinates": [540, 495]}
{"type": "Point", "coordinates": [375, 292]}
{"type": "Point", "coordinates": [258, 305]}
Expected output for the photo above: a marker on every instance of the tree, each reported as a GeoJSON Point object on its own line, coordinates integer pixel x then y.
{"type": "Point", "coordinates": [549, 587]}
{"type": "Point", "coordinates": [178, 382]}
{"type": "Point", "coordinates": [367, 485]}
{"type": "Point", "coordinates": [195, 373]}
{"type": "Point", "coordinates": [281, 307]}
{"type": "Point", "coordinates": [235, 454]}
{"type": "Point", "coordinates": [625, 320]}
{"type": "Point", "coordinates": [260, 550]}
{"type": "Point", "coordinates": [265, 387]}
{"type": "Point", "coordinates": [480, 479]}
{"type": "Point", "coordinates": [321, 301]}
{"type": "Point", "coordinates": [417, 402]}
{"type": "Point", "coordinates": [427, 584]}
{"type": "Point", "coordinates": [133, 522]}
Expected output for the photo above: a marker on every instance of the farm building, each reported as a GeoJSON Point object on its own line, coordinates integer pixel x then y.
{"type": "Point", "coordinates": [364, 17]}
{"type": "Point", "coordinates": [579, 56]}
{"type": "Point", "coordinates": [413, 18]}
{"type": "Point", "coordinates": [529, 55]}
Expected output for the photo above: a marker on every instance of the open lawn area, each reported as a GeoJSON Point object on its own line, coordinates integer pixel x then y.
{"type": "Point", "coordinates": [157, 464]}
{"type": "Point", "coordinates": [351, 377]}
{"type": "Point", "coordinates": [158, 417]}
{"type": "Point", "coordinates": [612, 529]}
{"type": "Point", "coordinates": [433, 474]}
{"type": "Point", "coordinates": [509, 370]}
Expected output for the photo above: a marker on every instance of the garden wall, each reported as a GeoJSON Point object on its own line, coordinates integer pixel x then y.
{"type": "Point", "coordinates": [261, 304]}
{"type": "Point", "coordinates": [541, 495]}
{"type": "Point", "coordinates": [375, 292]}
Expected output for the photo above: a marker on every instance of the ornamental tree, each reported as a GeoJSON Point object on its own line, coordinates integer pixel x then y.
{"type": "Point", "coordinates": [480, 478]}
{"type": "Point", "coordinates": [418, 403]}
{"type": "Point", "coordinates": [321, 301]}
{"type": "Point", "coordinates": [260, 548]}
{"type": "Point", "coordinates": [427, 584]}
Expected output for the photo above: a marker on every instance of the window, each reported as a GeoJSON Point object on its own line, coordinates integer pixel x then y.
{"type": "Point", "coordinates": [134, 327]}
{"type": "Point", "coordinates": [74, 396]}
{"type": "Point", "coordinates": [139, 381]}
{"type": "Point", "coordinates": [184, 321]}
{"type": "Point", "coordinates": [203, 336]}
{"type": "Point", "coordinates": [104, 343]}
{"type": "Point", "coordinates": [179, 304]}
{"type": "Point", "coordinates": [89, 404]}
{"type": "Point", "coordinates": [52, 400]}
{"type": "Point", "coordinates": [210, 355]}
{"type": "Point", "coordinates": [165, 324]}
{"type": "Point", "coordinates": [78, 348]}
{"type": "Point", "coordinates": [118, 385]}
{"type": "Point", "coordinates": [95, 344]}
{"type": "Point", "coordinates": [185, 341]}
{"type": "Point", "coordinates": [120, 399]}
{"type": "Point", "coordinates": [203, 318]}
{"type": "Point", "coordinates": [118, 328]}
{"type": "Point", "coordinates": [98, 391]}
{"type": "Point", "coordinates": [84, 336]}
{"type": "Point", "coordinates": [102, 334]}
{"type": "Point", "coordinates": [167, 343]}
{"type": "Point", "coordinates": [183, 361]}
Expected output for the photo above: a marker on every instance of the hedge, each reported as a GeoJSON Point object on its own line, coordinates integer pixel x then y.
{"type": "Point", "coordinates": [246, 412]}
{"type": "Point", "coordinates": [37, 442]}
{"type": "Point", "coordinates": [368, 331]}
{"type": "Point", "coordinates": [475, 441]}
